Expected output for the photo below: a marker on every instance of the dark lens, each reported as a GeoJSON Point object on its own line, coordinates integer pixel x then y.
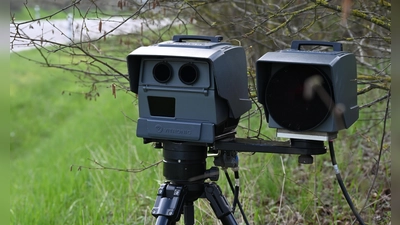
{"type": "Point", "coordinates": [286, 101]}
{"type": "Point", "coordinates": [162, 72]}
{"type": "Point", "coordinates": [188, 73]}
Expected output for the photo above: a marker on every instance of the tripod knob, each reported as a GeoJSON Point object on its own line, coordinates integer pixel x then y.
{"type": "Point", "coordinates": [212, 173]}
{"type": "Point", "coordinates": [306, 159]}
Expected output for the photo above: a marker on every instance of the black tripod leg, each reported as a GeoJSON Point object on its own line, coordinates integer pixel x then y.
{"type": "Point", "coordinates": [163, 220]}
{"type": "Point", "coordinates": [188, 211]}
{"type": "Point", "coordinates": [169, 204]}
{"type": "Point", "coordinates": [219, 204]}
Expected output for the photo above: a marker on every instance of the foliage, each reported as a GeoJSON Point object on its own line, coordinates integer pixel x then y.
{"type": "Point", "coordinates": [54, 127]}
{"type": "Point", "coordinates": [276, 189]}
{"type": "Point", "coordinates": [259, 26]}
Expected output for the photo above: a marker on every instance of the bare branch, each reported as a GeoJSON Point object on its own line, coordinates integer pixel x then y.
{"type": "Point", "coordinates": [380, 150]}
{"type": "Point", "coordinates": [102, 167]}
{"type": "Point", "coordinates": [374, 101]}
{"type": "Point", "coordinates": [356, 13]}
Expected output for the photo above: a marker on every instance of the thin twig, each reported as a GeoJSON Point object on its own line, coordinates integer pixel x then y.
{"type": "Point", "coordinates": [282, 190]}
{"type": "Point", "coordinates": [74, 3]}
{"type": "Point", "coordinates": [128, 117]}
{"type": "Point", "coordinates": [102, 167]}
{"type": "Point", "coordinates": [380, 151]}
{"type": "Point", "coordinates": [376, 101]}
{"type": "Point", "coordinates": [356, 13]}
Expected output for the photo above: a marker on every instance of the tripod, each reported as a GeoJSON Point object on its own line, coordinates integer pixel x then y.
{"type": "Point", "coordinates": [185, 169]}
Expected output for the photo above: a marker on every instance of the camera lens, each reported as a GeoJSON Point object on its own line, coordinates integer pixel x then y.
{"type": "Point", "coordinates": [188, 73]}
{"type": "Point", "coordinates": [162, 72]}
{"type": "Point", "coordinates": [293, 103]}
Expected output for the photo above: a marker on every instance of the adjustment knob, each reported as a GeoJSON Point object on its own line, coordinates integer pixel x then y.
{"type": "Point", "coordinates": [306, 159]}
{"type": "Point", "coordinates": [212, 173]}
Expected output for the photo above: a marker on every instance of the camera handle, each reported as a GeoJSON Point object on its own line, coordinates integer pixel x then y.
{"type": "Point", "coordinates": [181, 38]}
{"type": "Point", "coordinates": [335, 45]}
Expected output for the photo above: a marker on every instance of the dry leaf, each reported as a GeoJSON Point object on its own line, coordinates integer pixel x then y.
{"type": "Point", "coordinates": [114, 92]}
{"type": "Point", "coordinates": [100, 26]}
{"type": "Point", "coordinates": [346, 8]}
{"type": "Point", "coordinates": [120, 4]}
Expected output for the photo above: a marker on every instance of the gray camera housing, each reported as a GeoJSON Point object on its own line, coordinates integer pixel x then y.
{"type": "Point", "coordinates": [337, 66]}
{"type": "Point", "coordinates": [194, 107]}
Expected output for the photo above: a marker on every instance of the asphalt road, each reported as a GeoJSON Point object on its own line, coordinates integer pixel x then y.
{"type": "Point", "coordinates": [47, 32]}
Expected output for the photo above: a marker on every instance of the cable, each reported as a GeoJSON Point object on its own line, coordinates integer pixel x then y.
{"type": "Point", "coordinates": [341, 184]}
{"type": "Point", "coordinates": [235, 191]}
{"type": "Point", "coordinates": [228, 178]}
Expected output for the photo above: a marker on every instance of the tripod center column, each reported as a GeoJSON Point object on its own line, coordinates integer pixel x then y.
{"type": "Point", "coordinates": [184, 163]}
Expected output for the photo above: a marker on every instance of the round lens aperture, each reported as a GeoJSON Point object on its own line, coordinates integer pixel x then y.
{"type": "Point", "coordinates": [162, 72]}
{"type": "Point", "coordinates": [188, 73]}
{"type": "Point", "coordinates": [295, 104]}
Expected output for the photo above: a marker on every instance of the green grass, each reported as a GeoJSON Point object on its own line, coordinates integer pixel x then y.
{"type": "Point", "coordinates": [50, 131]}
{"type": "Point", "coordinates": [29, 13]}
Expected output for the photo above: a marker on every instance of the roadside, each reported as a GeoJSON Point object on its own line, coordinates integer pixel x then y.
{"type": "Point", "coordinates": [44, 33]}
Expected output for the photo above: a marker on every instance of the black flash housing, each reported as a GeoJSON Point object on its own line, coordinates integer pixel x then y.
{"type": "Point", "coordinates": [308, 94]}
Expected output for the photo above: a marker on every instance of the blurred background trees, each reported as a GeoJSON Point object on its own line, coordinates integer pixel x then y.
{"type": "Point", "coordinates": [260, 26]}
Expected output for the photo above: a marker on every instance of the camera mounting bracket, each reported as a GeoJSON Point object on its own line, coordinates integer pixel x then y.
{"type": "Point", "coordinates": [294, 146]}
